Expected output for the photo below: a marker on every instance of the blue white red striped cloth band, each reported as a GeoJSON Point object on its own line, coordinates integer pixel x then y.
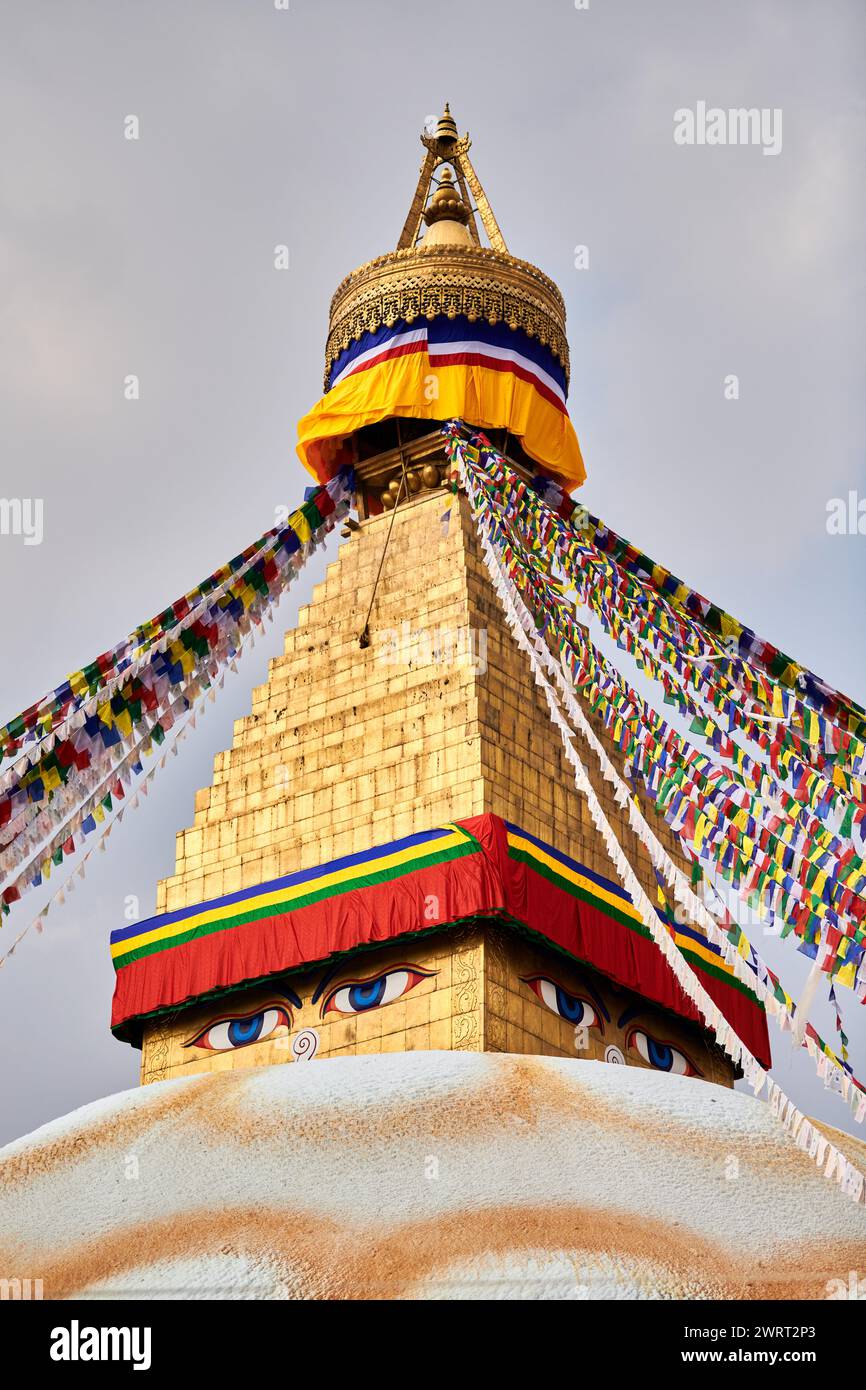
{"type": "Point", "coordinates": [456, 341]}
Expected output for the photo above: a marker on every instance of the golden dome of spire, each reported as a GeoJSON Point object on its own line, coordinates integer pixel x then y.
{"type": "Point", "coordinates": [446, 202]}
{"type": "Point", "coordinates": [447, 271]}
{"type": "Point", "coordinates": [446, 215]}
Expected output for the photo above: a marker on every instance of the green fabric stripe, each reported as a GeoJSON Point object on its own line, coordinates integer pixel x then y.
{"type": "Point", "coordinates": [633, 924]}
{"type": "Point", "coordinates": [574, 891]}
{"type": "Point", "coordinates": [706, 969]}
{"type": "Point", "coordinates": [130, 1030]}
{"type": "Point", "coordinates": [242, 918]}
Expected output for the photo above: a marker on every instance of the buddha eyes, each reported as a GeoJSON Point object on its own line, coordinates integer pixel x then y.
{"type": "Point", "coordinates": [360, 995]}
{"type": "Point", "coordinates": [660, 1054]}
{"type": "Point", "coordinates": [353, 997]}
{"type": "Point", "coordinates": [580, 1012]}
{"type": "Point", "coordinates": [242, 1030]}
{"type": "Point", "coordinates": [569, 1006]}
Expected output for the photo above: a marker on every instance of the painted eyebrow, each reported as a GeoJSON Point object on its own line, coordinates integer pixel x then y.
{"type": "Point", "coordinates": [284, 992]}
{"type": "Point", "coordinates": [628, 1014]}
{"type": "Point", "coordinates": [596, 999]}
{"type": "Point", "coordinates": [337, 968]}
{"type": "Point", "coordinates": [326, 980]}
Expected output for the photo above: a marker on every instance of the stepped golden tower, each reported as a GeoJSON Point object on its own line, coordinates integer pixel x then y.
{"type": "Point", "coordinates": [451, 856]}
{"type": "Point", "coordinates": [393, 855]}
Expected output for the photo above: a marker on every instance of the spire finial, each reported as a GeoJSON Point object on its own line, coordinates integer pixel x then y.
{"type": "Point", "coordinates": [446, 146]}
{"type": "Point", "coordinates": [446, 128]}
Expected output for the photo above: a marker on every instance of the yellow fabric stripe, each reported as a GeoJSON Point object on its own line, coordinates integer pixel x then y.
{"type": "Point", "coordinates": [480, 395]}
{"type": "Point", "coordinates": [416, 853]}
{"type": "Point", "coordinates": [688, 943]}
{"type": "Point", "coordinates": [580, 880]}
{"type": "Point", "coordinates": [622, 904]}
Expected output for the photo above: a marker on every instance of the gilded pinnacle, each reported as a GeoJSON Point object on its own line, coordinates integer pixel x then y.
{"type": "Point", "coordinates": [446, 128]}
{"type": "Point", "coordinates": [446, 202]}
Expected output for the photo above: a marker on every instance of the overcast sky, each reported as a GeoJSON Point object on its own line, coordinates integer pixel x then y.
{"type": "Point", "coordinates": [260, 127]}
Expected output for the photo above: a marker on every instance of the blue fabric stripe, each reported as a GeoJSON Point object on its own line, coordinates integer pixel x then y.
{"type": "Point", "coordinates": [368, 856]}
{"type": "Point", "coordinates": [611, 887]}
{"type": "Point", "coordinates": [574, 864]}
{"type": "Point", "coordinates": [459, 329]}
{"type": "Point", "coordinates": [444, 330]}
{"type": "Point", "coordinates": [380, 338]}
{"type": "Point", "coordinates": [683, 929]}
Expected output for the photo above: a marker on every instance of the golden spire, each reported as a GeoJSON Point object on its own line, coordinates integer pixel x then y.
{"type": "Point", "coordinates": [447, 270]}
{"type": "Point", "coordinates": [447, 126]}
{"type": "Point", "coordinates": [446, 146]}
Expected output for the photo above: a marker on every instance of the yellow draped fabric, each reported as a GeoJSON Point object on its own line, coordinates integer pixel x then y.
{"type": "Point", "coordinates": [410, 386]}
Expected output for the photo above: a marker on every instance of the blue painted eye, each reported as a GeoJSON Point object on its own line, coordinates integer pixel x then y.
{"type": "Point", "coordinates": [372, 994]}
{"type": "Point", "coordinates": [660, 1054]}
{"type": "Point", "coordinates": [569, 1006]}
{"type": "Point", "coordinates": [559, 1001]}
{"type": "Point", "coordinates": [240, 1032]}
{"type": "Point", "coordinates": [367, 996]}
{"type": "Point", "coordinates": [245, 1030]}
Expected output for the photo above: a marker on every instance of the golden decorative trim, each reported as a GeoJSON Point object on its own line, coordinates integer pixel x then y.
{"type": "Point", "coordinates": [447, 280]}
{"type": "Point", "coordinates": [155, 1051]}
{"type": "Point", "coordinates": [464, 194]}
{"type": "Point", "coordinates": [465, 982]}
{"type": "Point", "coordinates": [411, 227]}
{"type": "Point", "coordinates": [491, 226]}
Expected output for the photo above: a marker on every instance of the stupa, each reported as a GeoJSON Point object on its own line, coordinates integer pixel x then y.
{"type": "Point", "coordinates": [392, 855]}
{"type": "Point", "coordinates": [397, 876]}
